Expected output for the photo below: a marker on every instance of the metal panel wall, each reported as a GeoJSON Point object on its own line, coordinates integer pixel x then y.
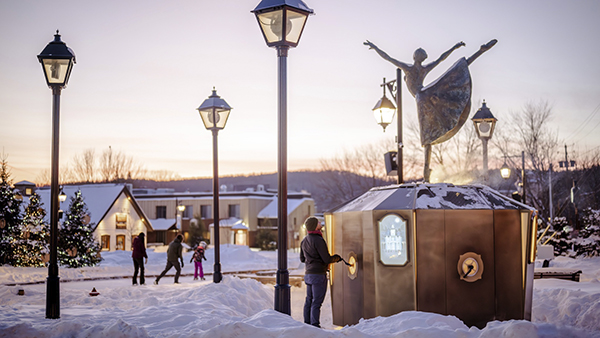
{"type": "Point", "coordinates": [394, 285]}
{"type": "Point", "coordinates": [367, 266]}
{"type": "Point", "coordinates": [470, 231]}
{"type": "Point", "coordinates": [509, 272]}
{"type": "Point", "coordinates": [337, 280]}
{"type": "Point", "coordinates": [431, 261]}
{"type": "Point", "coordinates": [353, 289]}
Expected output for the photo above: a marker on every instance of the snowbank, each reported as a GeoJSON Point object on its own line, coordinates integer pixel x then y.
{"type": "Point", "coordinates": [243, 307]}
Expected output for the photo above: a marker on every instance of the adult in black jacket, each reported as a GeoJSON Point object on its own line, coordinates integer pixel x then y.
{"type": "Point", "coordinates": [174, 255]}
{"type": "Point", "coordinates": [315, 256]}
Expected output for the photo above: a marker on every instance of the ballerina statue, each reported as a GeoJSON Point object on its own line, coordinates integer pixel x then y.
{"type": "Point", "coordinates": [444, 105]}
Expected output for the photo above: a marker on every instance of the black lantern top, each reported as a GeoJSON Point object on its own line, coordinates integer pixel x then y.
{"type": "Point", "coordinates": [278, 16]}
{"type": "Point", "coordinates": [214, 112]}
{"type": "Point", "coordinates": [57, 61]}
{"type": "Point", "coordinates": [484, 122]}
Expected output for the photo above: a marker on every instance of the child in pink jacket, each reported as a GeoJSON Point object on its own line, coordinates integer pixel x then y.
{"type": "Point", "coordinates": [197, 258]}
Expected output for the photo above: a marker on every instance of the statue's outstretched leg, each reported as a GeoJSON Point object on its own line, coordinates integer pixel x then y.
{"type": "Point", "coordinates": [426, 170]}
{"type": "Point", "coordinates": [482, 49]}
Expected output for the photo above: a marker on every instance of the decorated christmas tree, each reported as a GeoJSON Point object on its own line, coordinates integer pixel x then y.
{"type": "Point", "coordinates": [31, 244]}
{"type": "Point", "coordinates": [10, 214]}
{"type": "Point", "coordinates": [77, 246]}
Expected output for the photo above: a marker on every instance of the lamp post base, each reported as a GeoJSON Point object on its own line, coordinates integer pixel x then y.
{"type": "Point", "coordinates": [217, 276]}
{"type": "Point", "coordinates": [53, 297]}
{"type": "Point", "coordinates": [282, 292]}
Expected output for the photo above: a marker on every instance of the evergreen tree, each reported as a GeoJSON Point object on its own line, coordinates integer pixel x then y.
{"type": "Point", "coordinates": [588, 243]}
{"type": "Point", "coordinates": [10, 214]}
{"type": "Point", "coordinates": [265, 237]}
{"type": "Point", "coordinates": [77, 246]}
{"type": "Point", "coordinates": [33, 237]}
{"type": "Point", "coordinates": [585, 244]}
{"type": "Point", "coordinates": [197, 231]}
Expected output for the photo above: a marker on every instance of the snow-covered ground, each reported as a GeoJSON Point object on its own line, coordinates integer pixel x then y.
{"type": "Point", "coordinates": [244, 307]}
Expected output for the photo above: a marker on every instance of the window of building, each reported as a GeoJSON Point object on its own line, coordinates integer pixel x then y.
{"type": "Point", "coordinates": [105, 242]}
{"type": "Point", "coordinates": [121, 220]}
{"type": "Point", "coordinates": [234, 210]}
{"type": "Point", "coordinates": [120, 242]}
{"type": "Point", "coordinates": [188, 212]}
{"type": "Point", "coordinates": [205, 211]}
{"type": "Point", "coordinates": [28, 191]}
{"type": "Point", "coordinates": [161, 211]}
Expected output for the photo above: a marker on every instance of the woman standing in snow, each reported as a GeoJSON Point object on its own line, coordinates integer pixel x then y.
{"type": "Point", "coordinates": [197, 258]}
{"type": "Point", "coordinates": [138, 254]}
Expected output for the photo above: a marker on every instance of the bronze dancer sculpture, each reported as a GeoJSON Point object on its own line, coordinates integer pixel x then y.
{"type": "Point", "coordinates": [444, 105]}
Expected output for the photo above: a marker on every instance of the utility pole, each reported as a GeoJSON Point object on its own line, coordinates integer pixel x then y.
{"type": "Point", "coordinates": [573, 189]}
{"type": "Point", "coordinates": [566, 159]}
{"type": "Point", "coordinates": [551, 205]}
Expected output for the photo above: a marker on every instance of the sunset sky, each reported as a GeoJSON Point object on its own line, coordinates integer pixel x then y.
{"type": "Point", "coordinates": [143, 67]}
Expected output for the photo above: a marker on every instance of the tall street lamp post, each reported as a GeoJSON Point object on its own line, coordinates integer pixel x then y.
{"type": "Point", "coordinates": [274, 18]}
{"type": "Point", "coordinates": [214, 112]}
{"type": "Point", "coordinates": [484, 123]}
{"type": "Point", "coordinates": [57, 61]}
{"type": "Point", "coordinates": [384, 111]}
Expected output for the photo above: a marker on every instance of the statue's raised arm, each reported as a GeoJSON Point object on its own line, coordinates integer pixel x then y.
{"type": "Point", "coordinates": [386, 57]}
{"type": "Point", "coordinates": [445, 55]}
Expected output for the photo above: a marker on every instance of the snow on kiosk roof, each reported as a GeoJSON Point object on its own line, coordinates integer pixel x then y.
{"type": "Point", "coordinates": [431, 196]}
{"type": "Point", "coordinates": [466, 251]}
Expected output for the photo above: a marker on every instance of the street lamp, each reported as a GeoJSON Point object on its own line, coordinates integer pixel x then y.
{"type": "Point", "coordinates": [384, 111]}
{"type": "Point", "coordinates": [505, 172]}
{"type": "Point", "coordinates": [57, 61]}
{"type": "Point", "coordinates": [484, 123]}
{"type": "Point", "coordinates": [61, 198]}
{"type": "Point", "coordinates": [179, 215]}
{"type": "Point", "coordinates": [274, 18]}
{"type": "Point", "coordinates": [214, 112]}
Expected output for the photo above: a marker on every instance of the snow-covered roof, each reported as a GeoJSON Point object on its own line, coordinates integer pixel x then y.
{"type": "Point", "coordinates": [431, 196]}
{"type": "Point", "coordinates": [98, 197]}
{"type": "Point", "coordinates": [270, 211]}
{"type": "Point", "coordinates": [232, 222]}
{"type": "Point", "coordinates": [24, 183]}
{"type": "Point", "coordinates": [163, 223]}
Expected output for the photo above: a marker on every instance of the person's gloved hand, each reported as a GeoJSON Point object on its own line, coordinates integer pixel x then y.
{"type": "Point", "coordinates": [336, 258]}
{"type": "Point", "coordinates": [146, 260]}
{"type": "Point", "coordinates": [182, 265]}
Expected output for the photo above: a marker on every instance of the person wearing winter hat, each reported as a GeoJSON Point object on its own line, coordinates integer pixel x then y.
{"type": "Point", "coordinates": [315, 256]}
{"type": "Point", "coordinates": [174, 256]}
{"type": "Point", "coordinates": [138, 254]}
{"type": "Point", "coordinates": [197, 257]}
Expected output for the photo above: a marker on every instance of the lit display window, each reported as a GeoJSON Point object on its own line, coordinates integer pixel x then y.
{"type": "Point", "coordinates": [393, 249]}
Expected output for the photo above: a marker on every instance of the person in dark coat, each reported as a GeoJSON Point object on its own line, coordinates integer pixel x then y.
{"type": "Point", "coordinates": [138, 254]}
{"type": "Point", "coordinates": [174, 256]}
{"type": "Point", "coordinates": [315, 256]}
